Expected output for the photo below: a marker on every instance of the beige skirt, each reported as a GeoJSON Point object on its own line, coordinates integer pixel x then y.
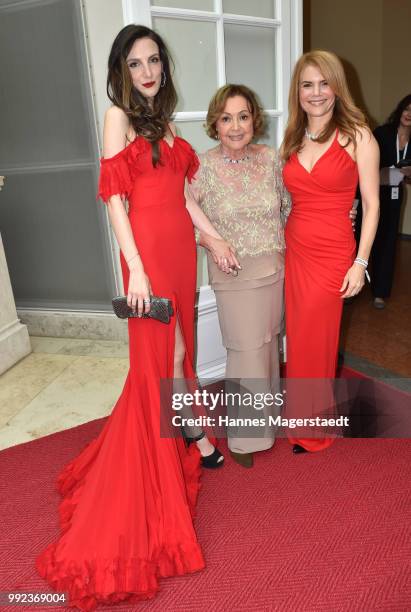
{"type": "Point", "coordinates": [251, 315]}
{"type": "Point", "coordinates": [250, 321]}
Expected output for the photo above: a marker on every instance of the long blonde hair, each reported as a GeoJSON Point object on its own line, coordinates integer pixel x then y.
{"type": "Point", "coordinates": [346, 116]}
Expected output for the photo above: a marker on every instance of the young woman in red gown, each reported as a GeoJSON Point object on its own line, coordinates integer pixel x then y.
{"type": "Point", "coordinates": [327, 148]}
{"type": "Point", "coordinates": [129, 496]}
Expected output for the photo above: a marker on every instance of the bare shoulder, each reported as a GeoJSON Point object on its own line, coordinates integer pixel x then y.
{"type": "Point", "coordinates": [365, 143]}
{"type": "Point", "coordinates": [364, 136]}
{"type": "Point", "coordinates": [367, 146]}
{"type": "Point", "coordinates": [367, 153]}
{"type": "Point", "coordinates": [117, 116]}
{"type": "Point", "coordinates": [116, 127]}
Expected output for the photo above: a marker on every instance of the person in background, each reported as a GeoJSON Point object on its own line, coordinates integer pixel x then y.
{"type": "Point", "coordinates": [394, 140]}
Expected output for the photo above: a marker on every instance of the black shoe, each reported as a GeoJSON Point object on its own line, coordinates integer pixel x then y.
{"type": "Point", "coordinates": [212, 461]}
{"type": "Point", "coordinates": [297, 449]}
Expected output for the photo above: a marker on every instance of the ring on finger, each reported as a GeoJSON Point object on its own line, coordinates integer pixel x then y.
{"type": "Point", "coordinates": [146, 301]}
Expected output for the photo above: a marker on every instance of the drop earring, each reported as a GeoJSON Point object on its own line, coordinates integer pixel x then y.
{"type": "Point", "coordinates": [163, 79]}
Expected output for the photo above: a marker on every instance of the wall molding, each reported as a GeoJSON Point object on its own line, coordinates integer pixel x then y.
{"type": "Point", "coordinates": [14, 337]}
{"type": "Point", "coordinates": [211, 354]}
{"type": "Point", "coordinates": [14, 344]}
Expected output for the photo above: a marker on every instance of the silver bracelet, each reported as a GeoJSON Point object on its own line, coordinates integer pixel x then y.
{"type": "Point", "coordinates": [361, 261]}
{"type": "Point", "coordinates": [131, 258]}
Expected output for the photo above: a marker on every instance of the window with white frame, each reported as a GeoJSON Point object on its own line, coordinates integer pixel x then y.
{"type": "Point", "coordinates": [214, 42]}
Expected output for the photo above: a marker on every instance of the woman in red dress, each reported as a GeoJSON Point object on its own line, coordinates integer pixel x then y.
{"type": "Point", "coordinates": [327, 148]}
{"type": "Point", "coordinates": [129, 496]}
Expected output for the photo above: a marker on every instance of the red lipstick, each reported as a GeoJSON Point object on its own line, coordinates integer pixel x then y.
{"type": "Point", "coordinates": [149, 84]}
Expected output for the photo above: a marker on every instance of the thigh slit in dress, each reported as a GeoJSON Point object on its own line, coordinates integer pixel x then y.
{"type": "Point", "coordinates": [320, 248]}
{"type": "Point", "coordinates": [129, 497]}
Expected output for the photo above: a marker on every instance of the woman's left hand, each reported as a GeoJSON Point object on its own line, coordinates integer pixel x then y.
{"type": "Point", "coordinates": [223, 254]}
{"type": "Point", "coordinates": [353, 216]}
{"type": "Point", "coordinates": [353, 281]}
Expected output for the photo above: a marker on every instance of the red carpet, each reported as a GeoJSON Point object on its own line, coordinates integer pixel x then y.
{"type": "Point", "coordinates": [328, 532]}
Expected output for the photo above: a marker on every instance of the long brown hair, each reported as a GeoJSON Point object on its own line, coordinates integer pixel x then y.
{"type": "Point", "coordinates": [346, 116]}
{"type": "Point", "coordinates": [149, 122]}
{"type": "Point", "coordinates": [395, 117]}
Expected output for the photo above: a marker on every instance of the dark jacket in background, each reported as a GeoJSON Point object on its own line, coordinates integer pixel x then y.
{"type": "Point", "coordinates": [383, 251]}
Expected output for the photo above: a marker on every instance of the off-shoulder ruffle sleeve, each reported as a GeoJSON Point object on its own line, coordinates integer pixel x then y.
{"type": "Point", "coordinates": [181, 155]}
{"type": "Point", "coordinates": [115, 177]}
{"type": "Point", "coordinates": [118, 173]}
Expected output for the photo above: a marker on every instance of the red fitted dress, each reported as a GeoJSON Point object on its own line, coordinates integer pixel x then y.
{"type": "Point", "coordinates": [126, 516]}
{"type": "Point", "coordinates": [320, 248]}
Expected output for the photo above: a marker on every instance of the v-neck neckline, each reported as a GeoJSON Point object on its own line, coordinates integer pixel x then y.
{"type": "Point", "coordinates": [321, 156]}
{"type": "Point", "coordinates": [170, 146]}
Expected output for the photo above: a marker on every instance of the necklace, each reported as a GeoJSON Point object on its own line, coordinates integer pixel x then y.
{"type": "Point", "coordinates": [229, 160]}
{"type": "Point", "coordinates": [310, 136]}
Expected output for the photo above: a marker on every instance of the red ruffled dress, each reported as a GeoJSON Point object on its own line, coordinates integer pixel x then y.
{"type": "Point", "coordinates": [129, 497]}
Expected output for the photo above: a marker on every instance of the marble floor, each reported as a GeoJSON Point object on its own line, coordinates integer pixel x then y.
{"type": "Point", "coordinates": [61, 384]}
{"type": "Point", "coordinates": [383, 337]}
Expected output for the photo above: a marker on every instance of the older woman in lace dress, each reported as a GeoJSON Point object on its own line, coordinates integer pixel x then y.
{"type": "Point", "coordinates": [240, 189]}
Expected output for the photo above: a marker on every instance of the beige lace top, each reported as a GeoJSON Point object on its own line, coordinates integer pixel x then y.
{"type": "Point", "coordinates": [248, 205]}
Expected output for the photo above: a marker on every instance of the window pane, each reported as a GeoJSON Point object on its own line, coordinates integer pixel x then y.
{"type": "Point", "coordinates": [196, 5]}
{"type": "Point", "coordinates": [250, 60]}
{"type": "Point", "coordinates": [193, 48]}
{"type": "Point", "coordinates": [194, 132]}
{"type": "Point", "coordinates": [53, 240]}
{"type": "Point", "coordinates": [43, 106]}
{"type": "Point", "coordinates": [262, 8]}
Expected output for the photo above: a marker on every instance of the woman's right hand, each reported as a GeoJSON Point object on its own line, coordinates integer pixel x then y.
{"type": "Point", "coordinates": [139, 291]}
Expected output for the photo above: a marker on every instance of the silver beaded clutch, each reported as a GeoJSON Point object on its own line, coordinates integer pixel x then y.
{"type": "Point", "coordinates": [161, 309]}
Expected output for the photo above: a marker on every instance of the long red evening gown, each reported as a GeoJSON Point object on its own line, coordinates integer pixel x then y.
{"type": "Point", "coordinates": [320, 248]}
{"type": "Point", "coordinates": [126, 515]}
